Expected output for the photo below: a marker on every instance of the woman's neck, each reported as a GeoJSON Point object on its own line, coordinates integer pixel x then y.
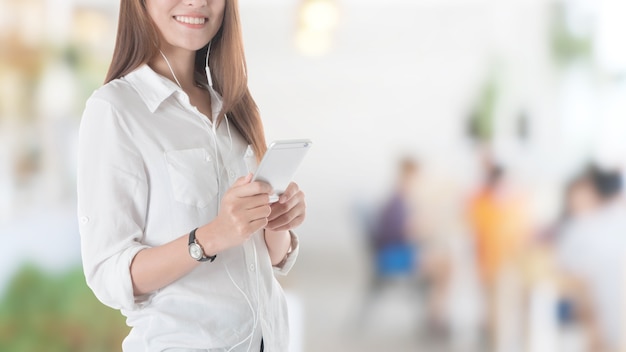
{"type": "Point", "coordinates": [177, 65]}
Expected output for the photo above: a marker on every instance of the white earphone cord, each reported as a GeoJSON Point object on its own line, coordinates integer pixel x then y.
{"type": "Point", "coordinates": [206, 67]}
{"type": "Point", "coordinates": [171, 70]}
{"type": "Point", "coordinates": [255, 314]}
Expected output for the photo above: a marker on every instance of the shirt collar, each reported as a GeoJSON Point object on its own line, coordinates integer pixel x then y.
{"type": "Point", "coordinates": [154, 89]}
{"type": "Point", "coordinates": [151, 87]}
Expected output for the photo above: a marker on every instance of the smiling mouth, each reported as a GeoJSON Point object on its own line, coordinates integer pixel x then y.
{"type": "Point", "coordinates": [191, 20]}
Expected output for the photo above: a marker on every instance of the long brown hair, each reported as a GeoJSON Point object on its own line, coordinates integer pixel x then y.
{"type": "Point", "coordinates": [138, 41]}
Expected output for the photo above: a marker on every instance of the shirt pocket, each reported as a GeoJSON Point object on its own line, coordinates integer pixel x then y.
{"type": "Point", "coordinates": [193, 176]}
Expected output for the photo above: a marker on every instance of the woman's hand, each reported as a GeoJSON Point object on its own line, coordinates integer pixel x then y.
{"type": "Point", "coordinates": [244, 210]}
{"type": "Point", "coordinates": [289, 211]}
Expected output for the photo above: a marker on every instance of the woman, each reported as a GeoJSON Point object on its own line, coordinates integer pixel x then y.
{"type": "Point", "coordinates": [173, 231]}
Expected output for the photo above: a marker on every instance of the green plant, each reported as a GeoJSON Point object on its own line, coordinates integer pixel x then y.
{"type": "Point", "coordinates": [482, 118]}
{"type": "Point", "coordinates": [44, 312]}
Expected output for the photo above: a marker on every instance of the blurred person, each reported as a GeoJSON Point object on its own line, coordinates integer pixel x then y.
{"type": "Point", "coordinates": [394, 236]}
{"type": "Point", "coordinates": [391, 244]}
{"type": "Point", "coordinates": [544, 328]}
{"type": "Point", "coordinates": [400, 251]}
{"type": "Point", "coordinates": [579, 200]}
{"type": "Point", "coordinates": [592, 254]}
{"type": "Point", "coordinates": [170, 236]}
{"type": "Point", "coordinates": [498, 220]}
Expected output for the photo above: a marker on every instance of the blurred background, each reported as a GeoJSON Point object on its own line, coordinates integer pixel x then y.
{"type": "Point", "coordinates": [463, 190]}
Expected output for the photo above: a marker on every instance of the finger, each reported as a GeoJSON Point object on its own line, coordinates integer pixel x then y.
{"type": "Point", "coordinates": [279, 209]}
{"type": "Point", "coordinates": [257, 201]}
{"type": "Point", "coordinates": [287, 217]}
{"type": "Point", "coordinates": [256, 225]}
{"type": "Point", "coordinates": [252, 189]}
{"type": "Point", "coordinates": [262, 187]}
{"type": "Point", "coordinates": [242, 181]}
{"type": "Point", "coordinates": [246, 179]}
{"type": "Point", "coordinates": [257, 213]}
{"type": "Point", "coordinates": [291, 190]}
{"type": "Point", "coordinates": [293, 224]}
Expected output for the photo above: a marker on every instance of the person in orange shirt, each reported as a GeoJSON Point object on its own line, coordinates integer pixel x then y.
{"type": "Point", "coordinates": [498, 221]}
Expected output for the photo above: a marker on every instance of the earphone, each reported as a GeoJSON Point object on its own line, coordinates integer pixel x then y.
{"type": "Point", "coordinates": [206, 67]}
{"type": "Point", "coordinates": [213, 128]}
{"type": "Point", "coordinates": [255, 313]}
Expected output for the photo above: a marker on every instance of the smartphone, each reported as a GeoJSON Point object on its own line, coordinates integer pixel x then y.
{"type": "Point", "coordinates": [280, 163]}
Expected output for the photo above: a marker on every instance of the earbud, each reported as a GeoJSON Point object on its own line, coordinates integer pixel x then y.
{"type": "Point", "coordinates": [206, 67]}
{"type": "Point", "coordinates": [208, 76]}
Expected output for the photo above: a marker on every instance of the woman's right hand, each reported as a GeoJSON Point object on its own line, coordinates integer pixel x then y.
{"type": "Point", "coordinates": [244, 210]}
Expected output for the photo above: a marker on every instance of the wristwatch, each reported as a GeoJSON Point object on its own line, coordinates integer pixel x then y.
{"type": "Point", "coordinates": [195, 249]}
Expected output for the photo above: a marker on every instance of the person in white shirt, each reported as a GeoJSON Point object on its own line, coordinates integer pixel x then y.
{"type": "Point", "coordinates": [592, 254]}
{"type": "Point", "coordinates": [173, 232]}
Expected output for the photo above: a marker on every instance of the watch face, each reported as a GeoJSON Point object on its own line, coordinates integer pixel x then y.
{"type": "Point", "coordinates": [195, 251]}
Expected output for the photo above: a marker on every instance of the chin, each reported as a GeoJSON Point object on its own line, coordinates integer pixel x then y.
{"type": "Point", "coordinates": [193, 46]}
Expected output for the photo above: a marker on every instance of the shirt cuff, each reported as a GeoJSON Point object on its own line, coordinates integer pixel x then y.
{"type": "Point", "coordinates": [112, 282]}
{"type": "Point", "coordinates": [286, 264]}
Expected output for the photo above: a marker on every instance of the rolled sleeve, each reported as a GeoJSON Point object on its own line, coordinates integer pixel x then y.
{"type": "Point", "coordinates": [112, 204]}
{"type": "Point", "coordinates": [285, 266]}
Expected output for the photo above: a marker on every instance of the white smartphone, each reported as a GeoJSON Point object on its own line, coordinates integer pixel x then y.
{"type": "Point", "coordinates": [280, 163]}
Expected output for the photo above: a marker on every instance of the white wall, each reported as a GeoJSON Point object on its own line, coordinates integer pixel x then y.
{"type": "Point", "coordinates": [401, 78]}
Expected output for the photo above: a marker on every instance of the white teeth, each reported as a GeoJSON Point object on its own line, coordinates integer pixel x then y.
{"type": "Point", "coordinates": [190, 20]}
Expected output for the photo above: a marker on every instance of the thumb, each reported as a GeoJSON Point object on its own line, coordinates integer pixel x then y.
{"type": "Point", "coordinates": [243, 180]}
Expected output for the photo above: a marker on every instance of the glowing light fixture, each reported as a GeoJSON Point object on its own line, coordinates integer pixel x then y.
{"type": "Point", "coordinates": [317, 21]}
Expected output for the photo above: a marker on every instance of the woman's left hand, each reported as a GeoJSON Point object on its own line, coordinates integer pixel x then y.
{"type": "Point", "coordinates": [289, 211]}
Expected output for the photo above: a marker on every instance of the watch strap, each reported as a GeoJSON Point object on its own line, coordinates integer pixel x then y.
{"type": "Point", "coordinates": [192, 240]}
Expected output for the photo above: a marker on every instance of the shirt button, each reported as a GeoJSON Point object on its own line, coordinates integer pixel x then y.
{"type": "Point", "coordinates": [208, 158]}
{"type": "Point", "coordinates": [252, 267]}
{"type": "Point", "coordinates": [231, 174]}
{"type": "Point", "coordinates": [84, 220]}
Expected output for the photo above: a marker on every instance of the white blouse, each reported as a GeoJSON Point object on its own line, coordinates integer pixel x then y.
{"type": "Point", "coordinates": [151, 168]}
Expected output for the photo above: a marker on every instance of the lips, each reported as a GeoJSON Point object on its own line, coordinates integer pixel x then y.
{"type": "Point", "coordinates": [191, 20]}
